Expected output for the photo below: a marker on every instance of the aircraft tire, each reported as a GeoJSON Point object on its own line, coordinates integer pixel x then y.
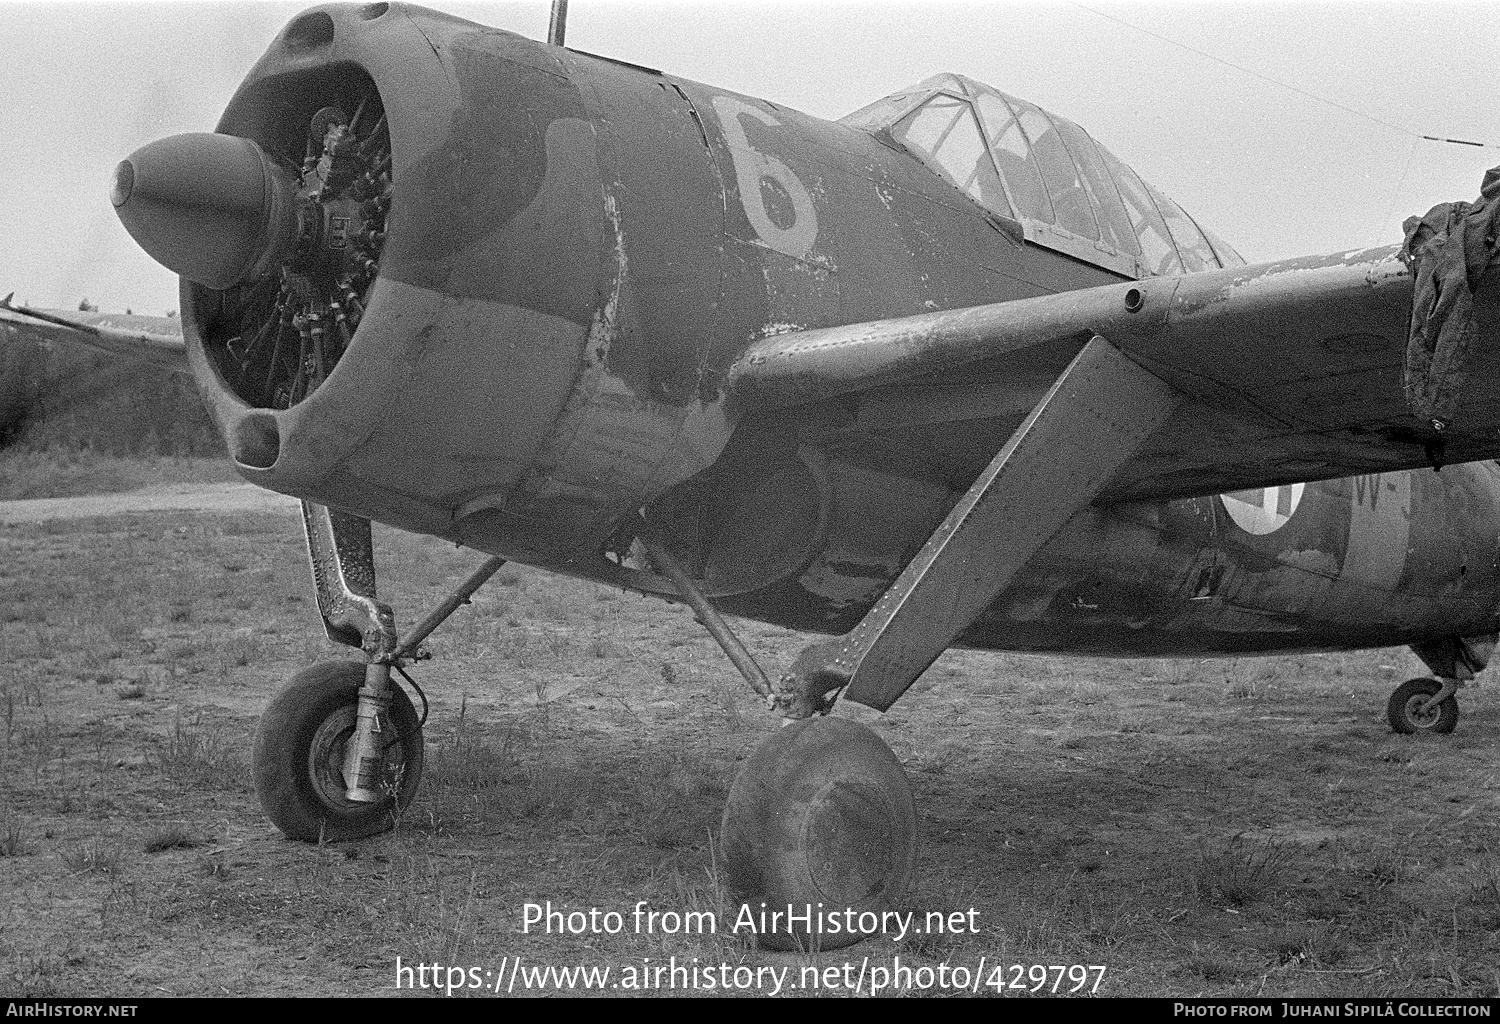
{"type": "Point", "coordinates": [1405, 708]}
{"type": "Point", "coordinates": [820, 814]}
{"type": "Point", "coordinates": [299, 746]}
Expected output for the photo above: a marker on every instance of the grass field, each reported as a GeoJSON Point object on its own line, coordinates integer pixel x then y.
{"type": "Point", "coordinates": [1243, 827]}
{"type": "Point", "coordinates": [31, 472]}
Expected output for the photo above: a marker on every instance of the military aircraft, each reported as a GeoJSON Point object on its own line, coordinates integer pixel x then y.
{"type": "Point", "coordinates": [943, 372]}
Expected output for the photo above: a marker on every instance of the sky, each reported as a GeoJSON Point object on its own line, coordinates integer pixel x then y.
{"type": "Point", "coordinates": [1287, 128]}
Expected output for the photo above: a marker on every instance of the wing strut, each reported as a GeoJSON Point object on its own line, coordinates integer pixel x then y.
{"type": "Point", "coordinates": [1093, 419]}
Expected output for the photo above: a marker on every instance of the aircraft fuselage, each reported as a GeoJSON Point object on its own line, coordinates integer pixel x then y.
{"type": "Point", "coordinates": [577, 251]}
{"type": "Point", "coordinates": [1366, 561]}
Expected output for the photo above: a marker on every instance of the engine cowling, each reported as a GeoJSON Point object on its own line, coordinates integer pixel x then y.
{"type": "Point", "coordinates": [390, 252]}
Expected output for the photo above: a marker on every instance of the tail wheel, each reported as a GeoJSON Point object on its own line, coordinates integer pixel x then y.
{"type": "Point", "coordinates": [299, 756]}
{"type": "Point", "coordinates": [1406, 710]}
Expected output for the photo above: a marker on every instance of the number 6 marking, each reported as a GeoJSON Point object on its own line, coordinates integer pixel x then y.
{"type": "Point", "coordinates": [750, 166]}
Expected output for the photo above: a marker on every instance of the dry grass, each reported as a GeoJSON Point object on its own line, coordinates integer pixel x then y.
{"type": "Point", "coordinates": [11, 841]}
{"type": "Point", "coordinates": [1228, 828]}
{"type": "Point", "coordinates": [1241, 873]}
{"type": "Point", "coordinates": [198, 754]}
{"type": "Point", "coordinates": [69, 472]}
{"type": "Point", "coordinates": [169, 837]}
{"type": "Point", "coordinates": [103, 858]}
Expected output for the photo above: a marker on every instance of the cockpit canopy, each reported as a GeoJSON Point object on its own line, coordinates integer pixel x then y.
{"type": "Point", "coordinates": [1065, 190]}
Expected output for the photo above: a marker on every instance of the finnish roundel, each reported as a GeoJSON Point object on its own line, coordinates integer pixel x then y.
{"type": "Point", "coordinates": [1263, 510]}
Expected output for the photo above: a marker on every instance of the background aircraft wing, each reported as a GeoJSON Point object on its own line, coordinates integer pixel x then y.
{"type": "Point", "coordinates": [1292, 371]}
{"type": "Point", "coordinates": [152, 339]}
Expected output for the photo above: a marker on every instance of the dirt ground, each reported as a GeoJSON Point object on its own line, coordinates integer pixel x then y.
{"type": "Point", "coordinates": [1247, 827]}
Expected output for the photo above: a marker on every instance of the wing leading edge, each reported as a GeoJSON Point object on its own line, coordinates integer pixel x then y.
{"type": "Point", "coordinates": [1290, 371]}
{"type": "Point", "coordinates": [151, 339]}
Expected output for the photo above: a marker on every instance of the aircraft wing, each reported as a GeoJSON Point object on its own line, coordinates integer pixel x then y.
{"type": "Point", "coordinates": [151, 339]}
{"type": "Point", "coordinates": [1290, 371]}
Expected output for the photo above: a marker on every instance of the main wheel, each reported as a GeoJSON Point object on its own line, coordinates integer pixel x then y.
{"type": "Point", "coordinates": [299, 756]}
{"type": "Point", "coordinates": [1405, 708]}
{"type": "Point", "coordinates": [820, 822]}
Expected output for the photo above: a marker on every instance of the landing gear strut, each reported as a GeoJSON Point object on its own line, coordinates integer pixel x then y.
{"type": "Point", "coordinates": [338, 752]}
{"type": "Point", "coordinates": [821, 815]}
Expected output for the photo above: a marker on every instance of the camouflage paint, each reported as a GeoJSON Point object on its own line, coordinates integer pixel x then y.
{"type": "Point", "coordinates": [581, 251]}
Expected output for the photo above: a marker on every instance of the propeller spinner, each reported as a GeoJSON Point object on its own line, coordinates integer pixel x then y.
{"type": "Point", "coordinates": [212, 208]}
{"type": "Point", "coordinates": [292, 251]}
